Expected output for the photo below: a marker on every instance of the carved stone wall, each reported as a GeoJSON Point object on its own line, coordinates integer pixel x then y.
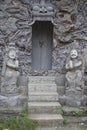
{"type": "Point", "coordinates": [15, 16]}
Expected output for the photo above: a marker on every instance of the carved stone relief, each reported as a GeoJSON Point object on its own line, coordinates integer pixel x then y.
{"type": "Point", "coordinates": [70, 19]}
{"type": "Point", "coordinates": [75, 74]}
{"type": "Point", "coordinates": [15, 17]}
{"type": "Point", "coordinates": [74, 79]}
{"type": "Point", "coordinates": [12, 93]}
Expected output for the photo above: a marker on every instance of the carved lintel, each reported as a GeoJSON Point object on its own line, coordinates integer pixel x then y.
{"type": "Point", "coordinates": [42, 12]}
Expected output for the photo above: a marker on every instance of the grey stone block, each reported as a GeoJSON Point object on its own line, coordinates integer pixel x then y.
{"type": "Point", "coordinates": [61, 90]}
{"type": "Point", "coordinates": [60, 80]}
{"type": "Point", "coordinates": [22, 81]}
{"type": "Point", "coordinates": [44, 107]}
{"type": "Point", "coordinates": [43, 96]}
{"type": "Point", "coordinates": [42, 87]}
{"type": "Point", "coordinates": [52, 120]}
{"type": "Point", "coordinates": [41, 79]}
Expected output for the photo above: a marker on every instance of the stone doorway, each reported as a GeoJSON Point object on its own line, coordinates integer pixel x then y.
{"type": "Point", "coordinates": [42, 42]}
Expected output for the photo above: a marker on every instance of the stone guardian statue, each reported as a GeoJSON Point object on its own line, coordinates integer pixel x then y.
{"type": "Point", "coordinates": [75, 71]}
{"type": "Point", "coordinates": [10, 72]}
{"type": "Point", "coordinates": [13, 93]}
{"type": "Point", "coordinates": [74, 92]}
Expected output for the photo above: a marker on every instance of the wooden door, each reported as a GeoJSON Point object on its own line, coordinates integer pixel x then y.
{"type": "Point", "coordinates": [42, 41]}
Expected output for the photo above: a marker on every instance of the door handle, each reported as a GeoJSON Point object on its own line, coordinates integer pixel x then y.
{"type": "Point", "coordinates": [41, 43]}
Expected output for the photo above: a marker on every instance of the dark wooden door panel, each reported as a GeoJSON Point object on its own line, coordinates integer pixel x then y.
{"type": "Point", "coordinates": [42, 40]}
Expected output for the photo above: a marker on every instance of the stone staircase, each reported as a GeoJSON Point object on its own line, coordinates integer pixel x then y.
{"type": "Point", "coordinates": [43, 102]}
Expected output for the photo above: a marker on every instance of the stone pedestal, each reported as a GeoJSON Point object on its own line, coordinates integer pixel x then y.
{"type": "Point", "coordinates": [17, 99]}
{"type": "Point", "coordinates": [73, 98]}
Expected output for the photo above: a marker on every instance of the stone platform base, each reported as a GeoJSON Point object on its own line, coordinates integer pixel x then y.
{"type": "Point", "coordinates": [51, 120]}
{"type": "Point", "coordinates": [12, 102]}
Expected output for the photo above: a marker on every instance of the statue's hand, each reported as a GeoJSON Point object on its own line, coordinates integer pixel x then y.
{"type": "Point", "coordinates": [71, 64]}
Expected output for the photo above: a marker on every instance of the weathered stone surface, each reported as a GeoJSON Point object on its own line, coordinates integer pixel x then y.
{"type": "Point", "coordinates": [84, 119]}
{"type": "Point", "coordinates": [43, 87]}
{"type": "Point", "coordinates": [14, 18]}
{"type": "Point", "coordinates": [13, 93]}
{"type": "Point", "coordinates": [75, 72]}
{"type": "Point", "coordinates": [74, 93]}
{"type": "Point", "coordinates": [53, 120]}
{"type": "Point", "coordinates": [42, 79]}
{"type": "Point", "coordinates": [44, 97]}
{"type": "Point", "coordinates": [43, 100]}
{"type": "Point", "coordinates": [61, 90]}
{"type": "Point", "coordinates": [70, 19]}
{"type": "Point", "coordinates": [44, 107]}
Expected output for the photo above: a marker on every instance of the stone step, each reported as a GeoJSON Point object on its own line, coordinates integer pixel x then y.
{"type": "Point", "coordinates": [47, 119]}
{"type": "Point", "coordinates": [42, 87]}
{"type": "Point", "coordinates": [41, 79]}
{"type": "Point", "coordinates": [48, 128]}
{"type": "Point", "coordinates": [43, 96]}
{"type": "Point", "coordinates": [44, 107]}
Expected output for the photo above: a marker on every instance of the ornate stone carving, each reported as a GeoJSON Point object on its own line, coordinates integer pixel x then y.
{"type": "Point", "coordinates": [74, 93]}
{"type": "Point", "coordinates": [75, 74]}
{"type": "Point", "coordinates": [82, 8]}
{"type": "Point", "coordinates": [13, 93]}
{"type": "Point", "coordinates": [42, 11]}
{"type": "Point", "coordinates": [10, 71]}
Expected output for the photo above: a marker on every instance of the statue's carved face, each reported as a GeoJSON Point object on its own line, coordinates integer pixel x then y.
{"type": "Point", "coordinates": [73, 54]}
{"type": "Point", "coordinates": [12, 54]}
